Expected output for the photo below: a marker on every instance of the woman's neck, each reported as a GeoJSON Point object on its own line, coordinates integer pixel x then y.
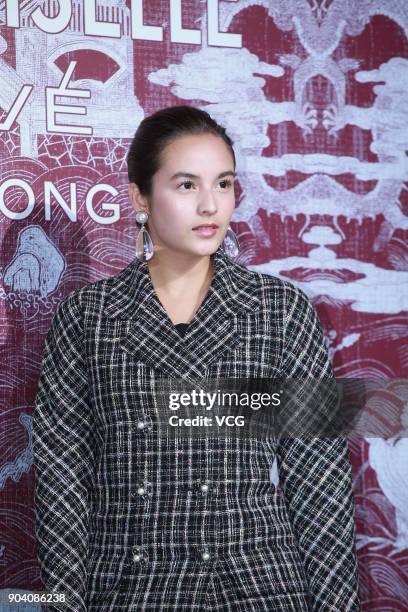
{"type": "Point", "coordinates": [181, 286]}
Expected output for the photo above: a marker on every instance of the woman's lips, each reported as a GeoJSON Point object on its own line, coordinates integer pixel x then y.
{"type": "Point", "coordinates": [206, 232]}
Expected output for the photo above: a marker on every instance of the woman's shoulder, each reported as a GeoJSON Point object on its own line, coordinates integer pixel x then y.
{"type": "Point", "coordinates": [272, 286]}
{"type": "Point", "coordinates": [93, 294]}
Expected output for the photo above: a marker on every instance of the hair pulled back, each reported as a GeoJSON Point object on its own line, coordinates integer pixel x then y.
{"type": "Point", "coordinates": [158, 130]}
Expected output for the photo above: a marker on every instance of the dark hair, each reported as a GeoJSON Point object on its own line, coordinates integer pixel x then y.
{"type": "Point", "coordinates": [158, 130]}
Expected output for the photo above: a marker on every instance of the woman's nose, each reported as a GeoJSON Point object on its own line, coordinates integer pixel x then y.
{"type": "Point", "coordinates": [207, 202]}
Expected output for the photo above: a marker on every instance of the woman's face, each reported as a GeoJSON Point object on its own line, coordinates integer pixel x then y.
{"type": "Point", "coordinates": [194, 186]}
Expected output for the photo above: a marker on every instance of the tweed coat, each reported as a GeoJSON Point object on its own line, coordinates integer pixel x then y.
{"type": "Point", "coordinates": [128, 521]}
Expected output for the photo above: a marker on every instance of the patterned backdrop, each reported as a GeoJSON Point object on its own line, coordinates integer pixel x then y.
{"type": "Point", "coordinates": [315, 96]}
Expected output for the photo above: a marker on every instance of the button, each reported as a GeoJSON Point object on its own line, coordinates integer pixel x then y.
{"type": "Point", "coordinates": [205, 554]}
{"type": "Point", "coordinates": [139, 554]}
{"type": "Point", "coordinates": [143, 489]}
{"type": "Point", "coordinates": [201, 486]}
{"type": "Point", "coordinates": [144, 425]}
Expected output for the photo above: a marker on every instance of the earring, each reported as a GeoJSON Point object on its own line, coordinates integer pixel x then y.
{"type": "Point", "coordinates": [230, 243]}
{"type": "Point", "coordinates": [144, 244]}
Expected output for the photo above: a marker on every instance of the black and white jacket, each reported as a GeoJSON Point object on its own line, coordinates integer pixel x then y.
{"type": "Point", "coordinates": [129, 520]}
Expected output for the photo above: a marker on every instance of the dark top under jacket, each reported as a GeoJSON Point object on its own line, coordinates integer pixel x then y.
{"type": "Point", "coordinates": [181, 328]}
{"type": "Point", "coordinates": [127, 519]}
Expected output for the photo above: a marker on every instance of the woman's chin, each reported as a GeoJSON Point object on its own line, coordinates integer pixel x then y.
{"type": "Point", "coordinates": [196, 248]}
{"type": "Point", "coordinates": [207, 248]}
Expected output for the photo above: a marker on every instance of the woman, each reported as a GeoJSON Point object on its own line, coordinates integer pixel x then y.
{"type": "Point", "coordinates": [127, 519]}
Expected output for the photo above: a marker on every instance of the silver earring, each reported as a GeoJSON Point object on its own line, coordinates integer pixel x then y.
{"type": "Point", "coordinates": [230, 243]}
{"type": "Point", "coordinates": [144, 244]}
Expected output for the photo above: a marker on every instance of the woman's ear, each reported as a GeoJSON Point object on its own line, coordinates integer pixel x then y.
{"type": "Point", "coordinates": [138, 201]}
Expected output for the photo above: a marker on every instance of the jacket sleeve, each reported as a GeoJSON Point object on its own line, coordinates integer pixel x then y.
{"type": "Point", "coordinates": [315, 474]}
{"type": "Point", "coordinates": [62, 446]}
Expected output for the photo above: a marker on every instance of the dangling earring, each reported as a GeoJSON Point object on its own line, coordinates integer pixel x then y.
{"type": "Point", "coordinates": [144, 244]}
{"type": "Point", "coordinates": [230, 243]}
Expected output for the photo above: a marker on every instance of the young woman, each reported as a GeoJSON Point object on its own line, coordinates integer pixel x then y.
{"type": "Point", "coordinates": [127, 519]}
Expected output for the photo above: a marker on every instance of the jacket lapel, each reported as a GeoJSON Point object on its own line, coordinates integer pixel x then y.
{"type": "Point", "coordinates": [152, 337]}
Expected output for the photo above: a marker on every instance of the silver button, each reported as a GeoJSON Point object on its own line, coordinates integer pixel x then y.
{"type": "Point", "coordinates": [204, 487]}
{"type": "Point", "coordinates": [141, 424]}
{"type": "Point", "coordinates": [139, 554]}
{"type": "Point", "coordinates": [143, 489]}
{"type": "Point", "coordinates": [205, 556]}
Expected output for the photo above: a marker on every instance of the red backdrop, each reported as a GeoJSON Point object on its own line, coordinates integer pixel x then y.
{"type": "Point", "coordinates": [315, 97]}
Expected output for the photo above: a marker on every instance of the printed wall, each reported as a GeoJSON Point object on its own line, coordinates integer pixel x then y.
{"type": "Point", "coordinates": [315, 96]}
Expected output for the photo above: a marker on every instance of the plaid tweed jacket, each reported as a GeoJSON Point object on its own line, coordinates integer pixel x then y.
{"type": "Point", "coordinates": [126, 520]}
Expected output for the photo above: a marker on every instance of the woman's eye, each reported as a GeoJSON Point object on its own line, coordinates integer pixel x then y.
{"type": "Point", "coordinates": [226, 183]}
{"type": "Point", "coordinates": [186, 183]}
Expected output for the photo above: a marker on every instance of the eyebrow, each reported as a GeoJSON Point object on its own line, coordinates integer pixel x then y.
{"type": "Point", "coordinates": [195, 176]}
